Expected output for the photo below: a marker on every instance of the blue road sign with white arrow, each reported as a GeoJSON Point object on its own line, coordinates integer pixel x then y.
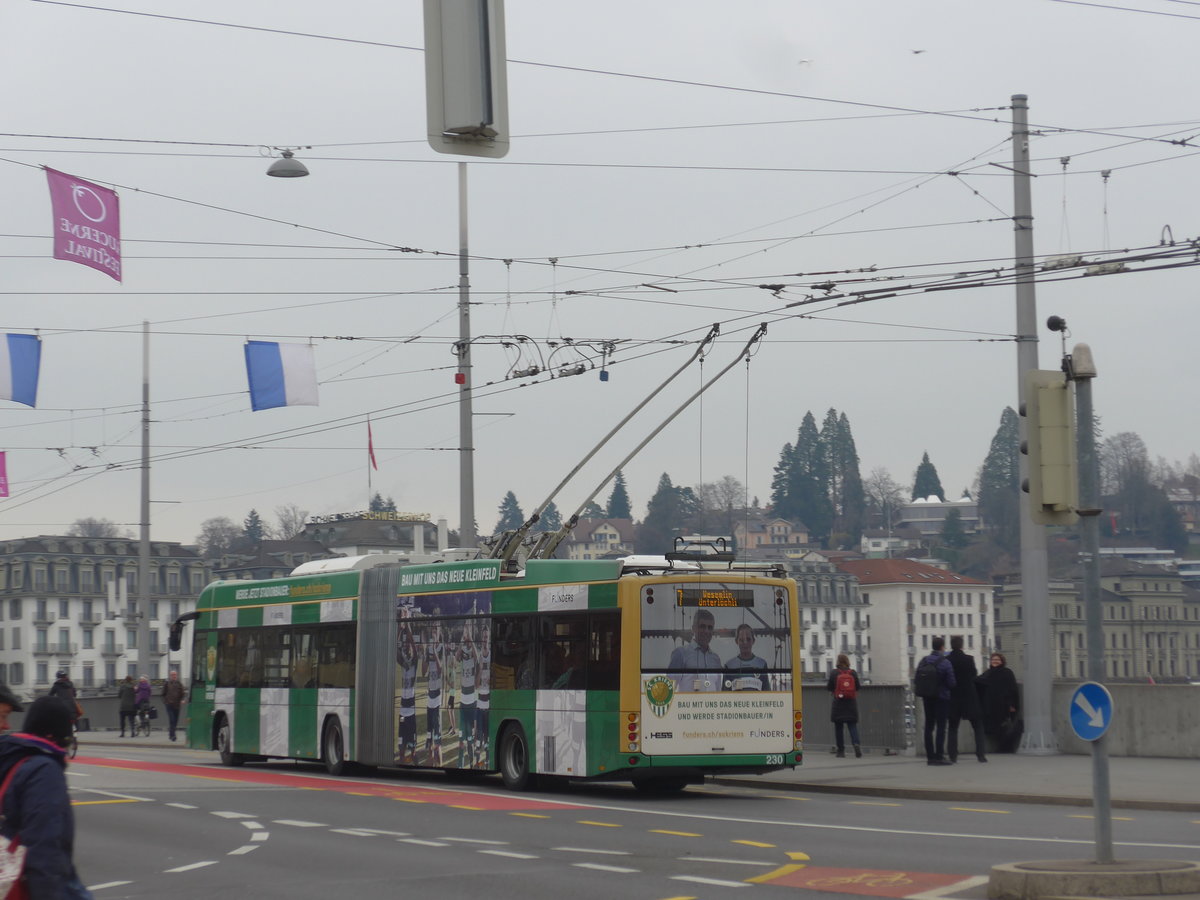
{"type": "Point", "coordinates": [1091, 711]}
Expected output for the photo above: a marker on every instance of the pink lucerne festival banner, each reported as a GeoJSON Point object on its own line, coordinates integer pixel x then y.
{"type": "Point", "coordinates": [87, 223]}
{"type": "Point", "coordinates": [3, 473]}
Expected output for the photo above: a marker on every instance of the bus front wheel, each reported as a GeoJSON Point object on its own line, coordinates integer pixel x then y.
{"type": "Point", "coordinates": [225, 745]}
{"type": "Point", "coordinates": [514, 759]}
{"type": "Point", "coordinates": [334, 754]}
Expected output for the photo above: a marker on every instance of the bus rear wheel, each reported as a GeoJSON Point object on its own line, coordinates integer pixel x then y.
{"type": "Point", "coordinates": [514, 759]}
{"type": "Point", "coordinates": [334, 755]}
{"type": "Point", "coordinates": [225, 745]}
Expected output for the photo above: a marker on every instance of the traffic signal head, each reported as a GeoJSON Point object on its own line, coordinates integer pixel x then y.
{"type": "Point", "coordinates": [1053, 482]}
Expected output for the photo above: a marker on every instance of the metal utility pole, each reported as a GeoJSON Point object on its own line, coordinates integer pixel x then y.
{"type": "Point", "coordinates": [466, 425]}
{"type": "Point", "coordinates": [1039, 734]}
{"type": "Point", "coordinates": [143, 586]}
{"type": "Point", "coordinates": [1082, 369]}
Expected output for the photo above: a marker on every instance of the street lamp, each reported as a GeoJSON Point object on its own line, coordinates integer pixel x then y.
{"type": "Point", "coordinates": [287, 166]}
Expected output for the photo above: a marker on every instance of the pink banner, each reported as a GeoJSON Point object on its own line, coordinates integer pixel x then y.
{"type": "Point", "coordinates": [3, 473]}
{"type": "Point", "coordinates": [87, 223]}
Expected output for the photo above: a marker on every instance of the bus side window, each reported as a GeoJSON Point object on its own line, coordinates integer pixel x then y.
{"type": "Point", "coordinates": [304, 659]}
{"type": "Point", "coordinates": [513, 664]}
{"type": "Point", "coordinates": [228, 659]}
{"type": "Point", "coordinates": [604, 652]}
{"type": "Point", "coordinates": [200, 657]}
{"type": "Point", "coordinates": [335, 668]}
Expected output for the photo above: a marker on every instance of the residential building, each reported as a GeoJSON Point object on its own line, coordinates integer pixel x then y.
{"type": "Point", "coordinates": [927, 515]}
{"type": "Point", "coordinates": [834, 617]}
{"type": "Point", "coordinates": [271, 559]}
{"type": "Point", "coordinates": [889, 544]}
{"type": "Point", "coordinates": [911, 603]}
{"type": "Point", "coordinates": [70, 603]}
{"type": "Point", "coordinates": [599, 539]}
{"type": "Point", "coordinates": [377, 531]}
{"type": "Point", "coordinates": [1150, 619]}
{"type": "Point", "coordinates": [757, 529]}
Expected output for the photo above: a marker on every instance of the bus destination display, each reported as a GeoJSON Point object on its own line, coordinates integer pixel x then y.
{"type": "Point", "coordinates": [713, 597]}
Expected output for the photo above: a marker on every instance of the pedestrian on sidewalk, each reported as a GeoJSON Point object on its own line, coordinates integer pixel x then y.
{"type": "Point", "coordinates": [964, 701]}
{"type": "Point", "coordinates": [128, 706]}
{"type": "Point", "coordinates": [936, 701]}
{"type": "Point", "coordinates": [172, 694]}
{"type": "Point", "coordinates": [843, 711]}
{"type": "Point", "coordinates": [1001, 700]}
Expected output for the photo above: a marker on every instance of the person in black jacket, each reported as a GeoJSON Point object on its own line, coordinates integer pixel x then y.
{"type": "Point", "coordinates": [964, 701]}
{"type": "Point", "coordinates": [1001, 702]}
{"type": "Point", "coordinates": [36, 807]}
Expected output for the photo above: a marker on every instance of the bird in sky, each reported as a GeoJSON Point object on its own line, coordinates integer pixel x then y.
{"type": "Point", "coordinates": [917, 51]}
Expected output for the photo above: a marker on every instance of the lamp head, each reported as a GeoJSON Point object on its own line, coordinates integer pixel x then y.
{"type": "Point", "coordinates": [287, 166]}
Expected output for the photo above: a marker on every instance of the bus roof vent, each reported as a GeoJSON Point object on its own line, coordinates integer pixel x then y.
{"type": "Point", "coordinates": [714, 551]}
{"type": "Point", "coordinates": [348, 564]}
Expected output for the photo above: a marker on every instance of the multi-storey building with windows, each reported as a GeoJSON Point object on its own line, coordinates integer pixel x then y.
{"type": "Point", "coordinates": [1151, 624]}
{"type": "Point", "coordinates": [834, 617]}
{"type": "Point", "coordinates": [70, 603]}
{"type": "Point", "coordinates": [911, 603]}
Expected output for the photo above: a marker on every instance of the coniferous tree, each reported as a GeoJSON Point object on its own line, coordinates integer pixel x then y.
{"type": "Point", "coordinates": [846, 495]}
{"type": "Point", "coordinates": [666, 515]}
{"type": "Point", "coordinates": [808, 481]}
{"type": "Point", "coordinates": [926, 482]}
{"type": "Point", "coordinates": [592, 510]}
{"type": "Point", "coordinates": [252, 528]}
{"type": "Point", "coordinates": [378, 504]}
{"type": "Point", "coordinates": [618, 500]}
{"type": "Point", "coordinates": [551, 519]}
{"type": "Point", "coordinates": [953, 534]}
{"type": "Point", "coordinates": [1000, 483]}
{"type": "Point", "coordinates": [511, 516]}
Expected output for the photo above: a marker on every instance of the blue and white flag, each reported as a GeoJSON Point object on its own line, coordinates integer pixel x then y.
{"type": "Point", "coordinates": [281, 374]}
{"type": "Point", "coordinates": [20, 361]}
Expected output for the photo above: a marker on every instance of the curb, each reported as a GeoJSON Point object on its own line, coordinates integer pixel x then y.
{"type": "Point", "coordinates": [943, 794]}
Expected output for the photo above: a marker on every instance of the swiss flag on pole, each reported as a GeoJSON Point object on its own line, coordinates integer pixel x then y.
{"type": "Point", "coordinates": [371, 447]}
{"type": "Point", "coordinates": [3, 473]}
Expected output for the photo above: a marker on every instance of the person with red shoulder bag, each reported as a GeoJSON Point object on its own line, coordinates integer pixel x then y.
{"type": "Point", "coordinates": [843, 711]}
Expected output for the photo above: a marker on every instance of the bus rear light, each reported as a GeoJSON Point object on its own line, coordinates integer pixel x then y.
{"type": "Point", "coordinates": [633, 749]}
{"type": "Point", "coordinates": [799, 746]}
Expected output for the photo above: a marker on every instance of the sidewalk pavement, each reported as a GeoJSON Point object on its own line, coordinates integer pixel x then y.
{"type": "Point", "coordinates": [1062, 779]}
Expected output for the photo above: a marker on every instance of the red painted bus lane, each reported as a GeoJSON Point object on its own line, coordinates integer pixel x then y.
{"type": "Point", "coordinates": [867, 882]}
{"type": "Point", "coordinates": [390, 790]}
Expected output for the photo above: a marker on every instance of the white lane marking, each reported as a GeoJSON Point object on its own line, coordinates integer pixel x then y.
{"type": "Point", "coordinates": [727, 862]}
{"type": "Point", "coordinates": [116, 795]}
{"type": "Point", "coordinates": [107, 884]}
{"type": "Point", "coordinates": [260, 835]}
{"type": "Point", "coordinates": [715, 881]}
{"type": "Point", "coordinates": [242, 850]}
{"type": "Point", "coordinates": [602, 868]}
{"type": "Point", "coordinates": [509, 854]}
{"type": "Point", "coordinates": [299, 823]}
{"type": "Point", "coordinates": [422, 843]}
{"type": "Point", "coordinates": [591, 850]}
{"type": "Point", "coordinates": [182, 806]}
{"type": "Point", "coordinates": [188, 868]}
{"type": "Point", "coordinates": [233, 815]}
{"type": "Point", "coordinates": [353, 832]}
{"type": "Point", "coordinates": [386, 833]}
{"type": "Point", "coordinates": [253, 826]}
{"type": "Point", "coordinates": [459, 840]}
{"type": "Point", "coordinates": [938, 893]}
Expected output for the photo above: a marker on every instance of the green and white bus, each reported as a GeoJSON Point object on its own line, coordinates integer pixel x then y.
{"type": "Point", "coordinates": [658, 670]}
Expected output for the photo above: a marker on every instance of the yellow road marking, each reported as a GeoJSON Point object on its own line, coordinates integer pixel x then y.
{"type": "Point", "coordinates": [752, 843]}
{"type": "Point", "coordinates": [871, 803]}
{"type": "Point", "coordinates": [460, 806]}
{"type": "Point", "coordinates": [679, 898]}
{"type": "Point", "coordinates": [999, 812]}
{"type": "Point", "coordinates": [778, 873]}
{"type": "Point", "coordinates": [676, 833]}
{"type": "Point", "coordinates": [797, 855]}
{"type": "Point", "coordinates": [599, 824]}
{"type": "Point", "coordinates": [1114, 818]}
{"type": "Point", "coordinates": [408, 800]}
{"type": "Point", "coordinates": [97, 802]}
{"type": "Point", "coordinates": [360, 794]}
{"type": "Point", "coordinates": [529, 815]}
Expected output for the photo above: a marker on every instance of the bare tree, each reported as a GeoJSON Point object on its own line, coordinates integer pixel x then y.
{"type": "Point", "coordinates": [720, 503]}
{"type": "Point", "coordinates": [218, 537]}
{"type": "Point", "coordinates": [95, 528]}
{"type": "Point", "coordinates": [884, 496]}
{"type": "Point", "coordinates": [291, 521]}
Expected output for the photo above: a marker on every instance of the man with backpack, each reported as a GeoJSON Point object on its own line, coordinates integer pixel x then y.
{"type": "Point", "coordinates": [843, 711]}
{"type": "Point", "coordinates": [932, 682]}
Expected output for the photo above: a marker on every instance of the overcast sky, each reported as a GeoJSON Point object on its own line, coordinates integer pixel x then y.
{"type": "Point", "coordinates": [701, 147]}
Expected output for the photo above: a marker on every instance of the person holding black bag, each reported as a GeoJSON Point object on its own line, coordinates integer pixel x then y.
{"type": "Point", "coordinates": [35, 806]}
{"type": "Point", "coordinates": [1001, 703]}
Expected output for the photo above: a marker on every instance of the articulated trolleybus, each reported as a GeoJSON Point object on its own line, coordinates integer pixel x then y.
{"type": "Point", "coordinates": [656, 670]}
